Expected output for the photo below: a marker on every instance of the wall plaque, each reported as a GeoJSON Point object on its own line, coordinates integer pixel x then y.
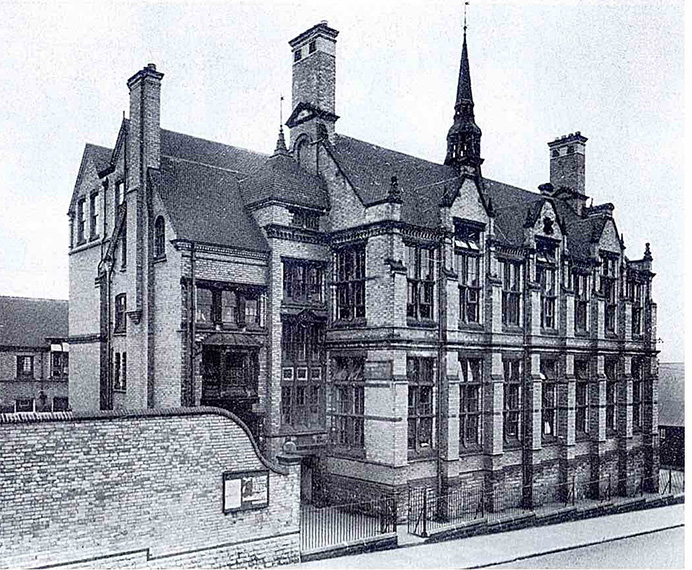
{"type": "Point", "coordinates": [245, 490]}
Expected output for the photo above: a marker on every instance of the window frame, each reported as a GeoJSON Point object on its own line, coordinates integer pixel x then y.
{"type": "Point", "coordinates": [244, 316]}
{"type": "Point", "coordinates": [609, 289]}
{"type": "Point", "coordinates": [348, 402]}
{"type": "Point", "coordinates": [159, 237]}
{"type": "Point", "coordinates": [581, 405]}
{"type": "Point", "coordinates": [81, 220]}
{"type": "Point", "coordinates": [21, 372]}
{"type": "Point", "coordinates": [420, 373]}
{"type": "Point", "coordinates": [511, 292]}
{"type": "Point", "coordinates": [581, 302]}
{"type": "Point", "coordinates": [470, 403]}
{"type": "Point", "coordinates": [420, 293]}
{"type": "Point", "coordinates": [470, 289]}
{"type": "Point", "coordinates": [349, 283]}
{"type": "Point", "coordinates": [637, 370]}
{"type": "Point", "coordinates": [549, 399]}
{"type": "Point", "coordinates": [307, 277]}
{"type": "Point", "coordinates": [512, 402]}
{"type": "Point", "coordinates": [93, 215]}
{"type": "Point", "coordinates": [120, 313]}
{"type": "Point", "coordinates": [59, 363]}
{"type": "Point", "coordinates": [610, 370]}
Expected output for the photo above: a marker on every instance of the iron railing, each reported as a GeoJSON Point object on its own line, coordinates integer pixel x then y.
{"type": "Point", "coordinates": [429, 512]}
{"type": "Point", "coordinates": [322, 527]}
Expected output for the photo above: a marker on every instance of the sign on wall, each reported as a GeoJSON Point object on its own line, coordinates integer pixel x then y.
{"type": "Point", "coordinates": [245, 490]}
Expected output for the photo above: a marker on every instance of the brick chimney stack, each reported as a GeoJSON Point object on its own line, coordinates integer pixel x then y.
{"type": "Point", "coordinates": [568, 161]}
{"type": "Point", "coordinates": [314, 81]}
{"type": "Point", "coordinates": [568, 169]}
{"type": "Point", "coordinates": [144, 145]}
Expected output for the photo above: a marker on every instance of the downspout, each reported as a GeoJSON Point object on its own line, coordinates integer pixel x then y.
{"type": "Point", "coordinates": [192, 400]}
{"type": "Point", "coordinates": [442, 340]}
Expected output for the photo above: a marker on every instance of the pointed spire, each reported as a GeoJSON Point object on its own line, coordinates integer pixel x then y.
{"type": "Point", "coordinates": [464, 137]}
{"type": "Point", "coordinates": [464, 85]}
{"type": "Point", "coordinates": [281, 142]}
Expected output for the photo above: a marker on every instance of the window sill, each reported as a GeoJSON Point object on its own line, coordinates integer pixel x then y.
{"type": "Point", "coordinates": [421, 454]}
{"type": "Point", "coordinates": [120, 390]}
{"type": "Point", "coordinates": [160, 259]}
{"type": "Point", "coordinates": [610, 432]}
{"type": "Point", "coordinates": [122, 332]}
{"type": "Point", "coordinates": [581, 333]}
{"type": "Point", "coordinates": [549, 439]}
{"type": "Point", "coordinates": [612, 335]}
{"type": "Point", "coordinates": [470, 450]}
{"type": "Point", "coordinates": [24, 378]}
{"type": "Point", "coordinates": [582, 436]}
{"type": "Point", "coordinates": [549, 332]}
{"type": "Point", "coordinates": [123, 268]}
{"type": "Point", "coordinates": [342, 323]}
{"type": "Point", "coordinates": [511, 445]}
{"type": "Point", "coordinates": [512, 329]}
{"type": "Point", "coordinates": [347, 452]}
{"type": "Point", "coordinates": [424, 323]}
{"type": "Point", "coordinates": [471, 326]}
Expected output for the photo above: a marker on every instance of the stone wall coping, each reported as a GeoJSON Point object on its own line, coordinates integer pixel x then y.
{"type": "Point", "coordinates": [153, 413]}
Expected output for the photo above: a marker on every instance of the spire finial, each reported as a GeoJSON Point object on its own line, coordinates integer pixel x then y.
{"type": "Point", "coordinates": [281, 110]}
{"type": "Point", "coordinates": [465, 6]}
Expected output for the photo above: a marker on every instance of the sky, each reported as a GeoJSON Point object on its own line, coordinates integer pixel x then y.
{"type": "Point", "coordinates": [613, 71]}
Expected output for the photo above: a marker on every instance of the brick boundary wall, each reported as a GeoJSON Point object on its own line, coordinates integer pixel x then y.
{"type": "Point", "coordinates": [139, 489]}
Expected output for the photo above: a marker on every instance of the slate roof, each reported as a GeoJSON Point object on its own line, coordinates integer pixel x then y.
{"type": "Point", "coordinates": [370, 168]}
{"type": "Point", "coordinates": [204, 205]}
{"type": "Point", "coordinates": [26, 322]}
{"type": "Point", "coordinates": [100, 155]}
{"type": "Point", "coordinates": [671, 394]}
{"type": "Point", "coordinates": [239, 160]}
{"type": "Point", "coordinates": [281, 177]}
{"type": "Point", "coordinates": [210, 173]}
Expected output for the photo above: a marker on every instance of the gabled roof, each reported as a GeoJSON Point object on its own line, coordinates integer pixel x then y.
{"type": "Point", "coordinates": [204, 204]}
{"type": "Point", "coordinates": [236, 159]}
{"type": "Point", "coordinates": [27, 322]}
{"type": "Point", "coordinates": [370, 168]}
{"type": "Point", "coordinates": [281, 178]}
{"type": "Point", "coordinates": [671, 394]}
{"type": "Point", "coordinates": [95, 156]}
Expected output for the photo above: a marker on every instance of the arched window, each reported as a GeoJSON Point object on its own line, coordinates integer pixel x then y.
{"type": "Point", "coordinates": [302, 152]}
{"type": "Point", "coordinates": [159, 237]}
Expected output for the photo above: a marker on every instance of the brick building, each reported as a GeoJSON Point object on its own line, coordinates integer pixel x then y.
{"type": "Point", "coordinates": [33, 355]}
{"type": "Point", "coordinates": [401, 322]}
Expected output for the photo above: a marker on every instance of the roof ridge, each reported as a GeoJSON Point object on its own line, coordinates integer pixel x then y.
{"type": "Point", "coordinates": [390, 150]}
{"type": "Point", "coordinates": [216, 142]}
{"type": "Point", "coordinates": [179, 159]}
{"type": "Point", "coordinates": [32, 298]}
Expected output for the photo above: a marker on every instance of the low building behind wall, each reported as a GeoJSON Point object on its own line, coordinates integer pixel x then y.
{"type": "Point", "coordinates": [171, 488]}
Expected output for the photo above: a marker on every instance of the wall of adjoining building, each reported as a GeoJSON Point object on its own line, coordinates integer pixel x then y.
{"type": "Point", "coordinates": [109, 487]}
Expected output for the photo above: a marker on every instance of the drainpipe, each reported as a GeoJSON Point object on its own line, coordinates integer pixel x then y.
{"type": "Point", "coordinates": [442, 340]}
{"type": "Point", "coordinates": [192, 326]}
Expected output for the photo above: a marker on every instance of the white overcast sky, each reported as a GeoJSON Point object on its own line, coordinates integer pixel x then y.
{"type": "Point", "coordinates": [612, 71]}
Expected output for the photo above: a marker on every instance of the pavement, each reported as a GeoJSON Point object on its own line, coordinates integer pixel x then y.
{"type": "Point", "coordinates": [503, 548]}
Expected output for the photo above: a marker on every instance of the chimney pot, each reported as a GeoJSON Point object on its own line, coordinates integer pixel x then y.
{"type": "Point", "coordinates": [151, 66]}
{"type": "Point", "coordinates": [325, 22]}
